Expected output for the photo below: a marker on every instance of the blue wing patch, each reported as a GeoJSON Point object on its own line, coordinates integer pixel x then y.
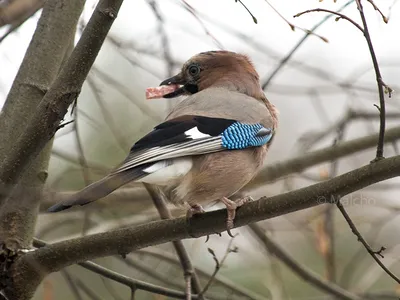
{"type": "Point", "coordinates": [241, 136]}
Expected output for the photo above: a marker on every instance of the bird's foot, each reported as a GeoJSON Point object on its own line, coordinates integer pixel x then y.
{"type": "Point", "coordinates": [231, 207]}
{"type": "Point", "coordinates": [194, 209]}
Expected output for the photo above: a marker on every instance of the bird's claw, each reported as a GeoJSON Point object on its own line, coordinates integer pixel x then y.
{"type": "Point", "coordinates": [231, 207]}
{"type": "Point", "coordinates": [194, 209]}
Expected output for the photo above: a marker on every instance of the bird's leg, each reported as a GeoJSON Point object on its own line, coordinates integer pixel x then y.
{"type": "Point", "coordinates": [231, 207]}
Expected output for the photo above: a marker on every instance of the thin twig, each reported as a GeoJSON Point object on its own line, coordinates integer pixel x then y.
{"type": "Point", "coordinates": [248, 10]}
{"type": "Point", "coordinates": [164, 37]}
{"type": "Point", "coordinates": [219, 264]}
{"type": "Point", "coordinates": [379, 11]}
{"type": "Point", "coordinates": [354, 261]}
{"type": "Point", "coordinates": [127, 281]}
{"type": "Point", "coordinates": [84, 169]}
{"type": "Point", "coordinates": [329, 214]}
{"type": "Point", "coordinates": [301, 271]}
{"type": "Point", "coordinates": [133, 292]}
{"type": "Point", "coordinates": [180, 249]}
{"type": "Point", "coordinates": [340, 15]}
{"type": "Point", "coordinates": [221, 281]}
{"type": "Point", "coordinates": [360, 238]}
{"type": "Point", "coordinates": [71, 283]}
{"type": "Point", "coordinates": [192, 11]}
{"type": "Point", "coordinates": [86, 290]}
{"type": "Point", "coordinates": [382, 109]}
{"type": "Point", "coordinates": [297, 46]}
{"type": "Point", "coordinates": [150, 271]}
{"type": "Point", "coordinates": [110, 121]}
{"type": "Point", "coordinates": [293, 27]}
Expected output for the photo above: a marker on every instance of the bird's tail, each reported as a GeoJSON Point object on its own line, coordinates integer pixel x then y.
{"type": "Point", "coordinates": [97, 190]}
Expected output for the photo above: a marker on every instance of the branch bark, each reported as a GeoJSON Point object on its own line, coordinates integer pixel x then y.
{"type": "Point", "coordinates": [63, 92]}
{"type": "Point", "coordinates": [57, 26]}
{"type": "Point", "coordinates": [30, 269]}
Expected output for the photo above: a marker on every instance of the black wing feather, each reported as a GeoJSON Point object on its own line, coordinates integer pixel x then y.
{"type": "Point", "coordinates": [173, 131]}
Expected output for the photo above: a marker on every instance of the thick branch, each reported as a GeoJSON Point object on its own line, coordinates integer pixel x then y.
{"type": "Point", "coordinates": [63, 92]}
{"type": "Point", "coordinates": [36, 73]}
{"type": "Point", "coordinates": [54, 257]}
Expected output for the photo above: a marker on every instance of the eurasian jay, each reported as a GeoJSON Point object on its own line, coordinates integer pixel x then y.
{"type": "Point", "coordinates": [211, 144]}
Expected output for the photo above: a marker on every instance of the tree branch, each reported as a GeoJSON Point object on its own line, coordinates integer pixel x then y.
{"type": "Point", "coordinates": [30, 268]}
{"type": "Point", "coordinates": [63, 92]}
{"type": "Point", "coordinates": [35, 75]}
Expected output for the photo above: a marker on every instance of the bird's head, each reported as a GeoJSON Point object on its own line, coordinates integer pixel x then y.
{"type": "Point", "coordinates": [216, 69]}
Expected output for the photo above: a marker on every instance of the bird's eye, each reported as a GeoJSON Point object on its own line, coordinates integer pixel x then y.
{"type": "Point", "coordinates": [194, 70]}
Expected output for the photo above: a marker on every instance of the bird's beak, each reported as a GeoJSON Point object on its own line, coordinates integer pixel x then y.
{"type": "Point", "coordinates": [183, 87]}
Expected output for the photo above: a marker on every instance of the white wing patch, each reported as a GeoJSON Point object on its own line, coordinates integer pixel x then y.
{"type": "Point", "coordinates": [194, 134]}
{"type": "Point", "coordinates": [165, 171]}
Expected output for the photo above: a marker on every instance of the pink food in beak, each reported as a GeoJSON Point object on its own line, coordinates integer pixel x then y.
{"type": "Point", "coordinates": [160, 91]}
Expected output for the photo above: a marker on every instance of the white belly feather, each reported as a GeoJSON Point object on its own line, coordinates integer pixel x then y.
{"type": "Point", "coordinates": [165, 171]}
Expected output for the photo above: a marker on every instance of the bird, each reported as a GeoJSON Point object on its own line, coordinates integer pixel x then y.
{"type": "Point", "coordinates": [210, 145]}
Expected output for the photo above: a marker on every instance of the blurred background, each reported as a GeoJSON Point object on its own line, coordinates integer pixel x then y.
{"type": "Point", "coordinates": [327, 80]}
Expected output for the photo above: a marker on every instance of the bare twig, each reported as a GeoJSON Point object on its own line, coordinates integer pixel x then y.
{"type": "Point", "coordinates": [148, 270]}
{"type": "Point", "coordinates": [382, 109]}
{"type": "Point", "coordinates": [110, 122]}
{"type": "Point", "coordinates": [84, 169]}
{"type": "Point", "coordinates": [329, 215]}
{"type": "Point", "coordinates": [299, 270]}
{"type": "Point", "coordinates": [340, 16]}
{"type": "Point", "coordinates": [192, 11]}
{"type": "Point", "coordinates": [253, 17]}
{"type": "Point", "coordinates": [164, 38]}
{"type": "Point", "coordinates": [360, 238]}
{"type": "Point", "coordinates": [379, 11]}
{"type": "Point", "coordinates": [71, 283]}
{"type": "Point", "coordinates": [86, 289]}
{"type": "Point", "coordinates": [297, 46]}
{"type": "Point", "coordinates": [219, 264]}
{"type": "Point", "coordinates": [293, 27]}
{"type": "Point", "coordinates": [221, 281]}
{"type": "Point", "coordinates": [127, 281]}
{"type": "Point", "coordinates": [191, 278]}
